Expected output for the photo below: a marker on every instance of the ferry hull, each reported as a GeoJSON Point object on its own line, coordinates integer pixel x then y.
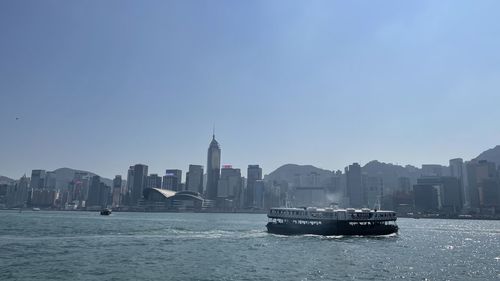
{"type": "Point", "coordinates": [331, 229]}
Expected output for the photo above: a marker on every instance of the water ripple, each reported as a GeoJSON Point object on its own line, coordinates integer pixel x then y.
{"type": "Point", "coordinates": [138, 246]}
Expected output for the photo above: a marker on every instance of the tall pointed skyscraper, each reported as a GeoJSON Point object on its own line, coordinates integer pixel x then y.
{"type": "Point", "coordinates": [213, 168]}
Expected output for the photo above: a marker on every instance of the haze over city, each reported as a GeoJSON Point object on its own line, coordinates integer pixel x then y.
{"type": "Point", "coordinates": [249, 140]}
{"type": "Point", "coordinates": [99, 86]}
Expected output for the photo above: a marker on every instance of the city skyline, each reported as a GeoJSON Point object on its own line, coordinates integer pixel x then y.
{"type": "Point", "coordinates": [249, 140]}
{"type": "Point", "coordinates": [161, 170]}
{"type": "Point", "coordinates": [443, 190]}
{"type": "Point", "coordinates": [108, 84]}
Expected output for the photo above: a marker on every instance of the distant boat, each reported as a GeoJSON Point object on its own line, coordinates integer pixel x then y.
{"type": "Point", "coordinates": [36, 209]}
{"type": "Point", "coordinates": [105, 212]}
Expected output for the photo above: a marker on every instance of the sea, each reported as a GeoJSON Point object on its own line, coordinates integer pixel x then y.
{"type": "Point", "coordinates": [50, 245]}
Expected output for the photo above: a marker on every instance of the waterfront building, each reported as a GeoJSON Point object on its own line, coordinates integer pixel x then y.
{"type": "Point", "coordinates": [154, 181]}
{"type": "Point", "coordinates": [94, 192]}
{"type": "Point", "coordinates": [259, 188]}
{"type": "Point", "coordinates": [457, 171]}
{"type": "Point", "coordinates": [66, 195]}
{"type": "Point", "coordinates": [306, 196]}
{"type": "Point", "coordinates": [271, 195]}
{"type": "Point", "coordinates": [4, 192]}
{"type": "Point", "coordinates": [425, 198]}
{"type": "Point", "coordinates": [373, 191]}
{"type": "Point", "coordinates": [50, 180]}
{"type": "Point", "coordinates": [354, 186]}
{"type": "Point", "coordinates": [254, 173]}
{"type": "Point", "coordinates": [334, 189]}
{"type": "Point", "coordinates": [213, 168]}
{"type": "Point", "coordinates": [194, 178]}
{"type": "Point", "coordinates": [104, 195]}
{"type": "Point", "coordinates": [130, 179]}
{"type": "Point", "coordinates": [229, 186]}
{"type": "Point", "coordinates": [312, 179]}
{"type": "Point", "coordinates": [432, 170]}
{"type": "Point", "coordinates": [127, 193]}
{"type": "Point", "coordinates": [80, 186]}
{"type": "Point", "coordinates": [447, 193]}
{"type": "Point", "coordinates": [43, 198]}
{"type": "Point", "coordinates": [37, 179]}
{"type": "Point", "coordinates": [477, 173]}
{"type": "Point", "coordinates": [85, 185]}
{"type": "Point", "coordinates": [404, 185]}
{"type": "Point", "coordinates": [117, 191]}
{"type": "Point", "coordinates": [489, 195]}
{"type": "Point", "coordinates": [156, 199]}
{"type": "Point", "coordinates": [139, 183]}
{"type": "Point", "coordinates": [284, 193]}
{"type": "Point", "coordinates": [172, 180]}
{"type": "Point", "coordinates": [16, 194]}
{"type": "Point", "coordinates": [80, 175]}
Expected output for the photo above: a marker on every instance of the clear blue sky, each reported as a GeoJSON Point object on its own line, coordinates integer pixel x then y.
{"type": "Point", "coordinates": [101, 85]}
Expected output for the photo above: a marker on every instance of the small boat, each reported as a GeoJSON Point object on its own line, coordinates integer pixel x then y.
{"type": "Point", "coordinates": [105, 212]}
{"type": "Point", "coordinates": [36, 209]}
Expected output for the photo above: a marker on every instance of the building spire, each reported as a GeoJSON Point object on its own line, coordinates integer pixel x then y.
{"type": "Point", "coordinates": [213, 132]}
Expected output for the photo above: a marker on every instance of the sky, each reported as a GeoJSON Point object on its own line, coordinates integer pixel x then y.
{"type": "Point", "coordinates": [102, 85]}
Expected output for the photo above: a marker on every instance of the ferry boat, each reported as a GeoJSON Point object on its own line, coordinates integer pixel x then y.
{"type": "Point", "coordinates": [329, 221]}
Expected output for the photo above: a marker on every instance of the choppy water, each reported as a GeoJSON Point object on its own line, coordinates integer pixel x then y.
{"type": "Point", "coordinates": [171, 246]}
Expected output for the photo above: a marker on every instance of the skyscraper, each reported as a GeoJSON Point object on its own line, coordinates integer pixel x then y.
{"type": "Point", "coordinates": [117, 191]}
{"type": "Point", "coordinates": [457, 171]}
{"type": "Point", "coordinates": [373, 191]}
{"type": "Point", "coordinates": [50, 180]}
{"type": "Point", "coordinates": [172, 179]}
{"type": "Point", "coordinates": [17, 193]}
{"type": "Point", "coordinates": [127, 193]}
{"type": "Point", "coordinates": [259, 188]}
{"type": "Point", "coordinates": [94, 192]}
{"type": "Point", "coordinates": [154, 181]}
{"type": "Point", "coordinates": [140, 181]}
{"type": "Point", "coordinates": [104, 195]}
{"type": "Point", "coordinates": [480, 175]}
{"type": "Point", "coordinates": [230, 183]}
{"type": "Point", "coordinates": [213, 168]}
{"type": "Point", "coordinates": [254, 173]}
{"type": "Point", "coordinates": [432, 170]}
{"type": "Point", "coordinates": [130, 180]}
{"type": "Point", "coordinates": [37, 179]}
{"type": "Point", "coordinates": [194, 178]}
{"type": "Point", "coordinates": [354, 186]}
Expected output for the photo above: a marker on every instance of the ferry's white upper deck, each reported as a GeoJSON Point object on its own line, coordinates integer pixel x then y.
{"type": "Point", "coordinates": [316, 214]}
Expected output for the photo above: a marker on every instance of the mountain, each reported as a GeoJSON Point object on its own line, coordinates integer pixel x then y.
{"type": "Point", "coordinates": [63, 177]}
{"type": "Point", "coordinates": [492, 155]}
{"type": "Point", "coordinates": [293, 173]}
{"type": "Point", "coordinates": [390, 172]}
{"type": "Point", "coordinates": [6, 180]}
{"type": "Point", "coordinates": [304, 174]}
{"type": "Point", "coordinates": [66, 175]}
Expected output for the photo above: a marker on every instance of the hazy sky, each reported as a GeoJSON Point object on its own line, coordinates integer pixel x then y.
{"type": "Point", "coordinates": [101, 85]}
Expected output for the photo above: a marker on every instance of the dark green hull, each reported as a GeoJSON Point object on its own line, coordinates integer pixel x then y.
{"type": "Point", "coordinates": [331, 229]}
